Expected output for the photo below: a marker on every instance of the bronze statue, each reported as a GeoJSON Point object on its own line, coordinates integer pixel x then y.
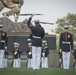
{"type": "Point", "coordinates": [14, 5]}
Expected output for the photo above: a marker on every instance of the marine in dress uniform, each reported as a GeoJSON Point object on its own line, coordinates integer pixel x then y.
{"type": "Point", "coordinates": [44, 54]}
{"type": "Point", "coordinates": [3, 43]}
{"type": "Point", "coordinates": [66, 45]}
{"type": "Point", "coordinates": [37, 35]}
{"type": "Point", "coordinates": [14, 5]}
{"type": "Point", "coordinates": [29, 55]}
{"type": "Point", "coordinates": [16, 56]}
{"type": "Point", "coordinates": [6, 57]}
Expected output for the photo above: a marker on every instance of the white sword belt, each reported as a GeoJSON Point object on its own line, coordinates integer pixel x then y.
{"type": "Point", "coordinates": [37, 37]}
{"type": "Point", "coordinates": [2, 41]}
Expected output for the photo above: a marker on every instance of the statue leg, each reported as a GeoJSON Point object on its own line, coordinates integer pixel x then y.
{"type": "Point", "coordinates": [16, 16]}
{"type": "Point", "coordinates": [13, 11]}
{"type": "Point", "coordinates": [1, 6]}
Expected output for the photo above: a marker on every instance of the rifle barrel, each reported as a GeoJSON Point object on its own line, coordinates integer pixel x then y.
{"type": "Point", "coordinates": [45, 22]}
{"type": "Point", "coordinates": [28, 14]}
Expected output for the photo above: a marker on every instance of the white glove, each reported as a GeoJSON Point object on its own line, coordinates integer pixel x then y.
{"type": "Point", "coordinates": [29, 53]}
{"type": "Point", "coordinates": [43, 54]}
{"type": "Point", "coordinates": [5, 47]}
{"type": "Point", "coordinates": [60, 50]}
{"type": "Point", "coordinates": [15, 53]}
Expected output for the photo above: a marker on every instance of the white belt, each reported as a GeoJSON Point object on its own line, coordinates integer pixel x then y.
{"type": "Point", "coordinates": [66, 42]}
{"type": "Point", "coordinates": [37, 37]}
{"type": "Point", "coordinates": [2, 41]}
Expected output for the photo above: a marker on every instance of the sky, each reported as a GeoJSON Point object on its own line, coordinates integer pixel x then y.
{"type": "Point", "coordinates": [52, 9]}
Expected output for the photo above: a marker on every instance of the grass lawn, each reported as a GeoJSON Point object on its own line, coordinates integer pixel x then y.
{"type": "Point", "coordinates": [26, 71]}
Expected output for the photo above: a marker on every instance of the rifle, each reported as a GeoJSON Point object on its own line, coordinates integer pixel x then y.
{"type": "Point", "coordinates": [45, 23]}
{"type": "Point", "coordinates": [29, 14]}
{"type": "Point", "coordinates": [36, 15]}
{"type": "Point", "coordinates": [12, 61]}
{"type": "Point", "coordinates": [27, 63]}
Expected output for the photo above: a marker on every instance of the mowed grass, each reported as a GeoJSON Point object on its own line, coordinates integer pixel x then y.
{"type": "Point", "coordinates": [27, 71]}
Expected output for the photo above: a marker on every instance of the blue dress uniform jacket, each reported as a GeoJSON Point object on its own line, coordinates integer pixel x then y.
{"type": "Point", "coordinates": [17, 55]}
{"type": "Point", "coordinates": [37, 31]}
{"type": "Point", "coordinates": [27, 52]}
{"type": "Point", "coordinates": [66, 41]}
{"type": "Point", "coordinates": [3, 40]}
{"type": "Point", "coordinates": [46, 51]}
{"type": "Point", "coordinates": [6, 52]}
